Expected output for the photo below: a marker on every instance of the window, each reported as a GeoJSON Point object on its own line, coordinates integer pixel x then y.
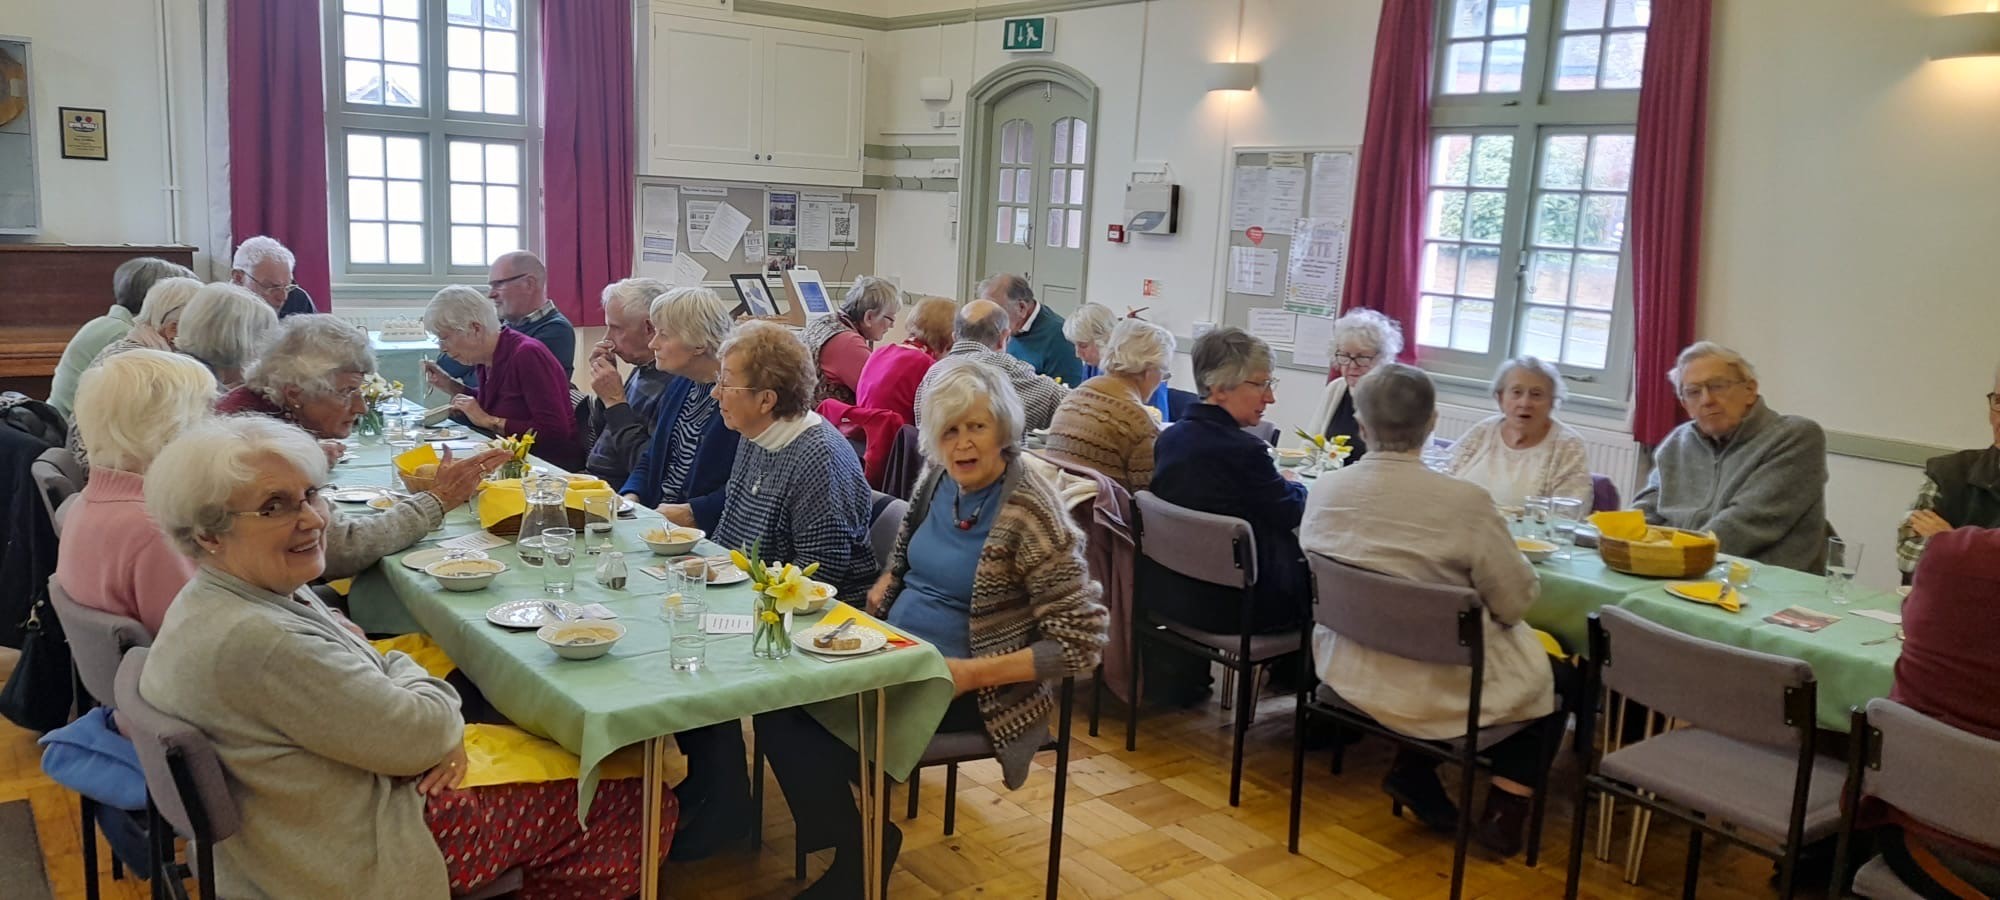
{"type": "Point", "coordinates": [1016, 199]}
{"type": "Point", "coordinates": [1531, 169]}
{"type": "Point", "coordinates": [432, 140]}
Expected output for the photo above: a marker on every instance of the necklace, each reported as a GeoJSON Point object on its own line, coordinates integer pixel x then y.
{"type": "Point", "coordinates": [966, 522]}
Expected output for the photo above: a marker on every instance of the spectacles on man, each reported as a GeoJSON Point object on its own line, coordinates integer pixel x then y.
{"type": "Point", "coordinates": [1344, 359]}
{"type": "Point", "coordinates": [278, 508]}
{"type": "Point", "coordinates": [1692, 392]}
{"type": "Point", "coordinates": [496, 285]}
{"type": "Point", "coordinates": [271, 289]}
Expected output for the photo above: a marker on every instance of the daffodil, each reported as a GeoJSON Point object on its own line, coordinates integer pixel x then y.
{"type": "Point", "coordinates": [1317, 440]}
{"type": "Point", "coordinates": [790, 595]}
{"type": "Point", "coordinates": [741, 561]}
{"type": "Point", "coordinates": [769, 617]}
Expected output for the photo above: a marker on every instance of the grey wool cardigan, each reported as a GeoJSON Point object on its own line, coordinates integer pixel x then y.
{"type": "Point", "coordinates": [1031, 590]}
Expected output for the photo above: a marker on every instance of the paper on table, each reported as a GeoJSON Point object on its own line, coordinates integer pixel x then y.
{"type": "Point", "coordinates": [598, 611]}
{"type": "Point", "coordinates": [1273, 326]}
{"type": "Point", "coordinates": [1285, 197]}
{"type": "Point", "coordinates": [1253, 271]}
{"type": "Point", "coordinates": [478, 540]}
{"type": "Point", "coordinates": [1246, 205]}
{"type": "Point", "coordinates": [688, 271]}
{"type": "Point", "coordinates": [815, 222]}
{"type": "Point", "coordinates": [725, 623]}
{"type": "Point", "coordinates": [1879, 615]}
{"type": "Point", "coordinates": [1312, 341]}
{"type": "Point", "coordinates": [724, 230]}
{"type": "Point", "coordinates": [699, 214]}
{"type": "Point", "coordinates": [1333, 185]}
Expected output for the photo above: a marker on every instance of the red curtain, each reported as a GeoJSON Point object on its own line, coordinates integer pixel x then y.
{"type": "Point", "coordinates": [1666, 207]}
{"type": "Point", "coordinates": [277, 135]}
{"type": "Point", "coordinates": [587, 157]}
{"type": "Point", "coordinates": [1387, 239]}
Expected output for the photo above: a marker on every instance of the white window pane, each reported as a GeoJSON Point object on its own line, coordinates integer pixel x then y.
{"type": "Point", "coordinates": [361, 37]}
{"type": "Point", "coordinates": [466, 12]}
{"type": "Point", "coordinates": [365, 244]}
{"type": "Point", "coordinates": [1589, 340]}
{"type": "Point", "coordinates": [1007, 141]}
{"type": "Point", "coordinates": [1542, 332]}
{"type": "Point", "coordinates": [1024, 185]}
{"type": "Point", "coordinates": [499, 14]}
{"type": "Point", "coordinates": [461, 48]}
{"type": "Point", "coordinates": [364, 155]}
{"type": "Point", "coordinates": [1503, 66]}
{"type": "Point", "coordinates": [502, 240]}
{"type": "Point", "coordinates": [502, 52]}
{"type": "Point", "coordinates": [503, 164]}
{"type": "Point", "coordinates": [1472, 326]}
{"type": "Point", "coordinates": [1079, 142]}
{"type": "Point", "coordinates": [364, 199]}
{"type": "Point", "coordinates": [1583, 14]}
{"type": "Point", "coordinates": [1576, 63]}
{"type": "Point", "coordinates": [1480, 272]}
{"type": "Point", "coordinates": [401, 9]}
{"type": "Point", "coordinates": [1023, 227]}
{"type": "Point", "coordinates": [1463, 62]}
{"type": "Point", "coordinates": [1059, 142]}
{"type": "Point", "coordinates": [362, 6]}
{"type": "Point", "coordinates": [406, 157]}
{"type": "Point", "coordinates": [1485, 214]}
{"type": "Point", "coordinates": [467, 162]}
{"type": "Point", "coordinates": [1624, 58]}
{"type": "Point", "coordinates": [1076, 229]}
{"type": "Point", "coordinates": [503, 95]}
{"type": "Point", "coordinates": [402, 42]}
{"type": "Point", "coordinates": [468, 203]}
{"type": "Point", "coordinates": [406, 244]}
{"type": "Point", "coordinates": [1026, 136]}
{"type": "Point", "coordinates": [1611, 162]}
{"type": "Point", "coordinates": [1555, 220]}
{"type": "Point", "coordinates": [468, 245]}
{"type": "Point", "coordinates": [462, 91]}
{"type": "Point", "coordinates": [1058, 186]}
{"type": "Point", "coordinates": [1468, 18]}
{"type": "Point", "coordinates": [1603, 224]}
{"type": "Point", "coordinates": [1596, 280]}
{"type": "Point", "coordinates": [503, 206]}
{"type": "Point", "coordinates": [1447, 215]}
{"type": "Point", "coordinates": [405, 86]}
{"type": "Point", "coordinates": [1440, 268]}
{"type": "Point", "coordinates": [1006, 186]}
{"type": "Point", "coordinates": [1003, 228]}
{"type": "Point", "coordinates": [1510, 16]}
{"type": "Point", "coordinates": [1434, 321]}
{"type": "Point", "coordinates": [406, 201]}
{"type": "Point", "coordinates": [1492, 160]}
{"type": "Point", "coordinates": [1631, 13]}
{"type": "Point", "coordinates": [1562, 161]}
{"type": "Point", "coordinates": [1548, 277]}
{"type": "Point", "coordinates": [1076, 188]}
{"type": "Point", "coordinates": [1451, 159]}
{"type": "Point", "coordinates": [364, 81]}
{"type": "Point", "coordinates": [1054, 228]}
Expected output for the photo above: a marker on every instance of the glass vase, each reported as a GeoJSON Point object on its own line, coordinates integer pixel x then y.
{"type": "Point", "coordinates": [370, 423]}
{"type": "Point", "coordinates": [770, 637]}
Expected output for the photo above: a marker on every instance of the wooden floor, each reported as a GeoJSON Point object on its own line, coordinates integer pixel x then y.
{"type": "Point", "coordinates": [1155, 822]}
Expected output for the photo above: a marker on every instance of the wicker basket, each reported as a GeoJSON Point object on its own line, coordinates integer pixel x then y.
{"type": "Point", "coordinates": [1659, 560]}
{"type": "Point", "coordinates": [416, 483]}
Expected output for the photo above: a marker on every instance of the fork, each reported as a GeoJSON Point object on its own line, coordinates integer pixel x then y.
{"type": "Point", "coordinates": [1883, 640]}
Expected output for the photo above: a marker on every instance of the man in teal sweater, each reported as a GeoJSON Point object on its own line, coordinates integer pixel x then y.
{"type": "Point", "coordinates": [1038, 332]}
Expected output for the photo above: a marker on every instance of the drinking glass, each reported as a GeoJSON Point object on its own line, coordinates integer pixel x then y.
{"type": "Point", "coordinates": [394, 427]}
{"type": "Point", "coordinates": [1843, 559]}
{"type": "Point", "coordinates": [400, 445]}
{"type": "Point", "coordinates": [1536, 514]}
{"type": "Point", "coordinates": [597, 518]}
{"type": "Point", "coordinates": [688, 646]}
{"type": "Point", "coordinates": [559, 551]}
{"type": "Point", "coordinates": [532, 551]}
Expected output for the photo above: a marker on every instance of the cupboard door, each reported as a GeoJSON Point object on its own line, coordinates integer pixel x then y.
{"type": "Point", "coordinates": [814, 85]}
{"type": "Point", "coordinates": [706, 88]}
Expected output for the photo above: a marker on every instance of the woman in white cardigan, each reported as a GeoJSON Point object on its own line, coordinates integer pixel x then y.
{"type": "Point", "coordinates": [1361, 340]}
{"type": "Point", "coordinates": [1524, 451]}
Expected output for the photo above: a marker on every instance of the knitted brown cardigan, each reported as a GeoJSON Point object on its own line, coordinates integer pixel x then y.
{"type": "Point", "coordinates": [1031, 590]}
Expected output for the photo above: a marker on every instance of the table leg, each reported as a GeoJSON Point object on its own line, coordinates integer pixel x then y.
{"type": "Point", "coordinates": [877, 876]}
{"type": "Point", "coordinates": [869, 834]}
{"type": "Point", "coordinates": [1614, 729]}
{"type": "Point", "coordinates": [649, 819]}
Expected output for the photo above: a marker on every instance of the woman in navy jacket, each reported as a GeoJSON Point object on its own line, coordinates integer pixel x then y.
{"type": "Point", "coordinates": [685, 468]}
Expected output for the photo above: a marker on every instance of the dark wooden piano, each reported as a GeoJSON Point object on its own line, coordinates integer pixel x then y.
{"type": "Point", "coordinates": [47, 291]}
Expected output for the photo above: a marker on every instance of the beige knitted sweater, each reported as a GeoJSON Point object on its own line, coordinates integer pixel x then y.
{"type": "Point", "coordinates": [1102, 426]}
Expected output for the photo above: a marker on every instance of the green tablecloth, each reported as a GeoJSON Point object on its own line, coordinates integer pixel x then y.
{"type": "Point", "coordinates": [1573, 589]}
{"type": "Point", "coordinates": [595, 707]}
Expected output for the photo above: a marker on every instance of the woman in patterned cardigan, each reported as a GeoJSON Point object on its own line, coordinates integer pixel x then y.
{"type": "Point", "coordinates": [988, 569]}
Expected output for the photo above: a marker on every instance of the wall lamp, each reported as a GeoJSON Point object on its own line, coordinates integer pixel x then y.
{"type": "Point", "coordinates": [1970, 34]}
{"type": "Point", "coordinates": [1232, 76]}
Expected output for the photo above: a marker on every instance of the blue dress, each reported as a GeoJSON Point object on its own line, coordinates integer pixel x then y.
{"type": "Point", "coordinates": [936, 601]}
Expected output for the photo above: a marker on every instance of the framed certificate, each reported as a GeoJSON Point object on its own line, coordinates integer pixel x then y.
{"type": "Point", "coordinates": [84, 133]}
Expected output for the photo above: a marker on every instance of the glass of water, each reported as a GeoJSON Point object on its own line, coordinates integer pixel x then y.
{"type": "Point", "coordinates": [688, 644]}
{"type": "Point", "coordinates": [559, 553]}
{"type": "Point", "coordinates": [1843, 559]}
{"type": "Point", "coordinates": [399, 445]}
{"type": "Point", "coordinates": [597, 513]}
{"type": "Point", "coordinates": [1565, 514]}
{"type": "Point", "coordinates": [532, 551]}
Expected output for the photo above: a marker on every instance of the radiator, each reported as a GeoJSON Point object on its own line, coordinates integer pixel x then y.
{"type": "Point", "coordinates": [1613, 455]}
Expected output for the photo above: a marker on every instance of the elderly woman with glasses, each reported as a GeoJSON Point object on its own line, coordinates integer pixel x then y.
{"type": "Point", "coordinates": [839, 344]}
{"type": "Point", "coordinates": [1362, 339]}
{"type": "Point", "coordinates": [522, 387]}
{"type": "Point", "coordinates": [346, 762]}
{"type": "Point", "coordinates": [1959, 490]}
{"type": "Point", "coordinates": [1524, 451]}
{"type": "Point", "coordinates": [1089, 330]}
{"type": "Point", "coordinates": [685, 466]}
{"type": "Point", "coordinates": [225, 327]}
{"type": "Point", "coordinates": [1106, 423]}
{"type": "Point", "coordinates": [1754, 477]}
{"type": "Point", "coordinates": [987, 568]}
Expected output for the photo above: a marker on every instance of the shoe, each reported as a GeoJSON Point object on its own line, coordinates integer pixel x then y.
{"type": "Point", "coordinates": [1499, 829]}
{"type": "Point", "coordinates": [843, 879]}
{"type": "Point", "coordinates": [1418, 789]}
{"type": "Point", "coordinates": [710, 830]}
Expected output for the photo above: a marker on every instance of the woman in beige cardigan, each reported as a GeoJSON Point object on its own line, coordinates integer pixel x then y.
{"type": "Point", "coordinates": [989, 570]}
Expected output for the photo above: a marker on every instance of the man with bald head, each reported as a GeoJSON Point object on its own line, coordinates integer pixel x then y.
{"type": "Point", "coordinates": [518, 282]}
{"type": "Point", "coordinates": [981, 332]}
{"type": "Point", "coordinates": [1038, 332]}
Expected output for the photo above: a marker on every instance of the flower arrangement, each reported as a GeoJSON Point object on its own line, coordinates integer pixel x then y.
{"type": "Point", "coordinates": [781, 589]}
{"type": "Point", "coordinates": [517, 447]}
{"type": "Point", "coordinates": [374, 390]}
{"type": "Point", "coordinates": [1332, 452]}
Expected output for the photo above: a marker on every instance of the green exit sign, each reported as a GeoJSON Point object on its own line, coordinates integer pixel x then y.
{"type": "Point", "coordinates": [1030, 34]}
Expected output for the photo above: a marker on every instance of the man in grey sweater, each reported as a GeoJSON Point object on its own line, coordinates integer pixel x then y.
{"type": "Point", "coordinates": [1754, 477]}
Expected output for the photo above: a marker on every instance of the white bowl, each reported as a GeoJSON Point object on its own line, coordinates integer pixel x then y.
{"type": "Point", "coordinates": [675, 540]}
{"type": "Point", "coordinates": [588, 639]}
{"type": "Point", "coordinates": [823, 594]}
{"type": "Point", "coordinates": [465, 574]}
{"type": "Point", "coordinates": [1290, 458]}
{"type": "Point", "coordinates": [1535, 550]}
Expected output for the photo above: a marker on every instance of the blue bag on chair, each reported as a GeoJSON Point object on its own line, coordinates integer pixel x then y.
{"type": "Point", "coordinates": [90, 757]}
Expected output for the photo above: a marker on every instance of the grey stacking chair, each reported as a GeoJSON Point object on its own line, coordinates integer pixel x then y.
{"type": "Point", "coordinates": [57, 478]}
{"type": "Point", "coordinates": [1743, 769]}
{"type": "Point", "coordinates": [185, 781]}
{"type": "Point", "coordinates": [97, 642]}
{"type": "Point", "coordinates": [1926, 769]}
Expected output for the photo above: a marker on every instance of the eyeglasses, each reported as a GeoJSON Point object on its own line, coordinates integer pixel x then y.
{"type": "Point", "coordinates": [719, 386]}
{"type": "Point", "coordinates": [1268, 384]}
{"type": "Point", "coordinates": [1343, 359]}
{"type": "Point", "coordinates": [496, 285]}
{"type": "Point", "coordinates": [279, 508]}
{"type": "Point", "coordinates": [285, 288]}
{"type": "Point", "coordinates": [1692, 392]}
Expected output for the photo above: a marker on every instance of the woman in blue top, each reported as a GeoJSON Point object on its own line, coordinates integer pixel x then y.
{"type": "Point", "coordinates": [1089, 328]}
{"type": "Point", "coordinates": [683, 471]}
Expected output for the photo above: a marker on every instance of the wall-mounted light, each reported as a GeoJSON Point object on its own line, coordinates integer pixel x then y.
{"type": "Point", "coordinates": [1971, 34]}
{"type": "Point", "coordinates": [1232, 76]}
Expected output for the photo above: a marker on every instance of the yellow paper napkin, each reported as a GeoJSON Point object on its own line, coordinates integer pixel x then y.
{"type": "Point", "coordinates": [1624, 525]}
{"type": "Point", "coordinates": [1713, 593]}
{"type": "Point", "coordinates": [840, 612]}
{"type": "Point", "coordinates": [408, 461]}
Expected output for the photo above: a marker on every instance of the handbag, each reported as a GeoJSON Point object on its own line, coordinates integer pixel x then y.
{"type": "Point", "coordinates": [40, 692]}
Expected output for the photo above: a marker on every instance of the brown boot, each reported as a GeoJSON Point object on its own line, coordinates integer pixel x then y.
{"type": "Point", "coordinates": [1500, 827]}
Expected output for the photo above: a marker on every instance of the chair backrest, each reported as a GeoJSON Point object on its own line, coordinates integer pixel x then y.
{"type": "Point", "coordinates": [1938, 774]}
{"type": "Point", "coordinates": [97, 641]}
{"type": "Point", "coordinates": [1603, 493]}
{"type": "Point", "coordinates": [57, 477]}
{"type": "Point", "coordinates": [1203, 546]}
{"type": "Point", "coordinates": [888, 521]}
{"type": "Point", "coordinates": [1751, 696]}
{"type": "Point", "coordinates": [1431, 623]}
{"type": "Point", "coordinates": [184, 776]}
{"type": "Point", "coordinates": [1265, 430]}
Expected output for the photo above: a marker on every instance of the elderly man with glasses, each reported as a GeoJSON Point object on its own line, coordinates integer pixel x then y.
{"type": "Point", "coordinates": [1754, 477]}
{"type": "Point", "coordinates": [518, 282]}
{"type": "Point", "coordinates": [264, 267]}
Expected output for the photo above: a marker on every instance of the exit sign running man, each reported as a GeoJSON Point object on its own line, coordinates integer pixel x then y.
{"type": "Point", "coordinates": [1031, 34]}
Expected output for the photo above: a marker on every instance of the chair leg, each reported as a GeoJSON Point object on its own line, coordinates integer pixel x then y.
{"type": "Point", "coordinates": [205, 858]}
{"type": "Point", "coordinates": [1690, 882]}
{"type": "Point", "coordinates": [950, 797]}
{"type": "Point", "coordinates": [1132, 697]}
{"type": "Point", "coordinates": [1299, 719]}
{"type": "Point", "coordinates": [1096, 697]}
{"type": "Point", "coordinates": [756, 795]}
{"type": "Point", "coordinates": [1245, 705]}
{"type": "Point", "coordinates": [1788, 871]}
{"type": "Point", "coordinates": [1468, 770]}
{"type": "Point", "coordinates": [117, 868]}
{"type": "Point", "coordinates": [1339, 747]}
{"type": "Point", "coordinates": [1578, 813]}
{"type": "Point", "coordinates": [1539, 806]}
{"type": "Point", "coordinates": [87, 809]}
{"type": "Point", "coordinates": [1228, 688]}
{"type": "Point", "coordinates": [1062, 794]}
{"type": "Point", "coordinates": [798, 860]}
{"type": "Point", "coordinates": [916, 780]}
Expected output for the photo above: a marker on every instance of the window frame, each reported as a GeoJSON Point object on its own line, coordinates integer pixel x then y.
{"type": "Point", "coordinates": [390, 284]}
{"type": "Point", "coordinates": [1530, 114]}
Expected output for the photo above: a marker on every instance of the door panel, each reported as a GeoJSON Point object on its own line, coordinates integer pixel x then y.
{"type": "Point", "coordinates": [1035, 215]}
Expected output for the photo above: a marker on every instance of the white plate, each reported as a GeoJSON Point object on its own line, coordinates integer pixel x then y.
{"type": "Point", "coordinates": [418, 559]}
{"type": "Point", "coordinates": [719, 575]}
{"type": "Point", "coordinates": [353, 495]}
{"type": "Point", "coordinates": [441, 434]}
{"type": "Point", "coordinates": [526, 614]}
{"type": "Point", "coordinates": [871, 640]}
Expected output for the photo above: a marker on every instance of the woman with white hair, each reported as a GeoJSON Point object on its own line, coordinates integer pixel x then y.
{"type": "Point", "coordinates": [685, 466]}
{"type": "Point", "coordinates": [225, 327]}
{"type": "Point", "coordinates": [989, 569]}
{"type": "Point", "coordinates": [129, 286]}
{"type": "Point", "coordinates": [1362, 339]}
{"type": "Point", "coordinates": [1089, 330]}
{"type": "Point", "coordinates": [346, 762]}
{"type": "Point", "coordinates": [521, 386]}
{"type": "Point", "coordinates": [889, 380]}
{"type": "Point", "coordinates": [1105, 423]}
{"type": "Point", "coordinates": [1524, 451]}
{"type": "Point", "coordinates": [159, 320]}
{"type": "Point", "coordinates": [840, 343]}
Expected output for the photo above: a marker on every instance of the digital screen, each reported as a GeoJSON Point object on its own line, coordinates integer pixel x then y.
{"type": "Point", "coordinates": [814, 295]}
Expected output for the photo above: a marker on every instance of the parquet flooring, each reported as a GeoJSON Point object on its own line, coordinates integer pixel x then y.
{"type": "Point", "coordinates": [1149, 823]}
